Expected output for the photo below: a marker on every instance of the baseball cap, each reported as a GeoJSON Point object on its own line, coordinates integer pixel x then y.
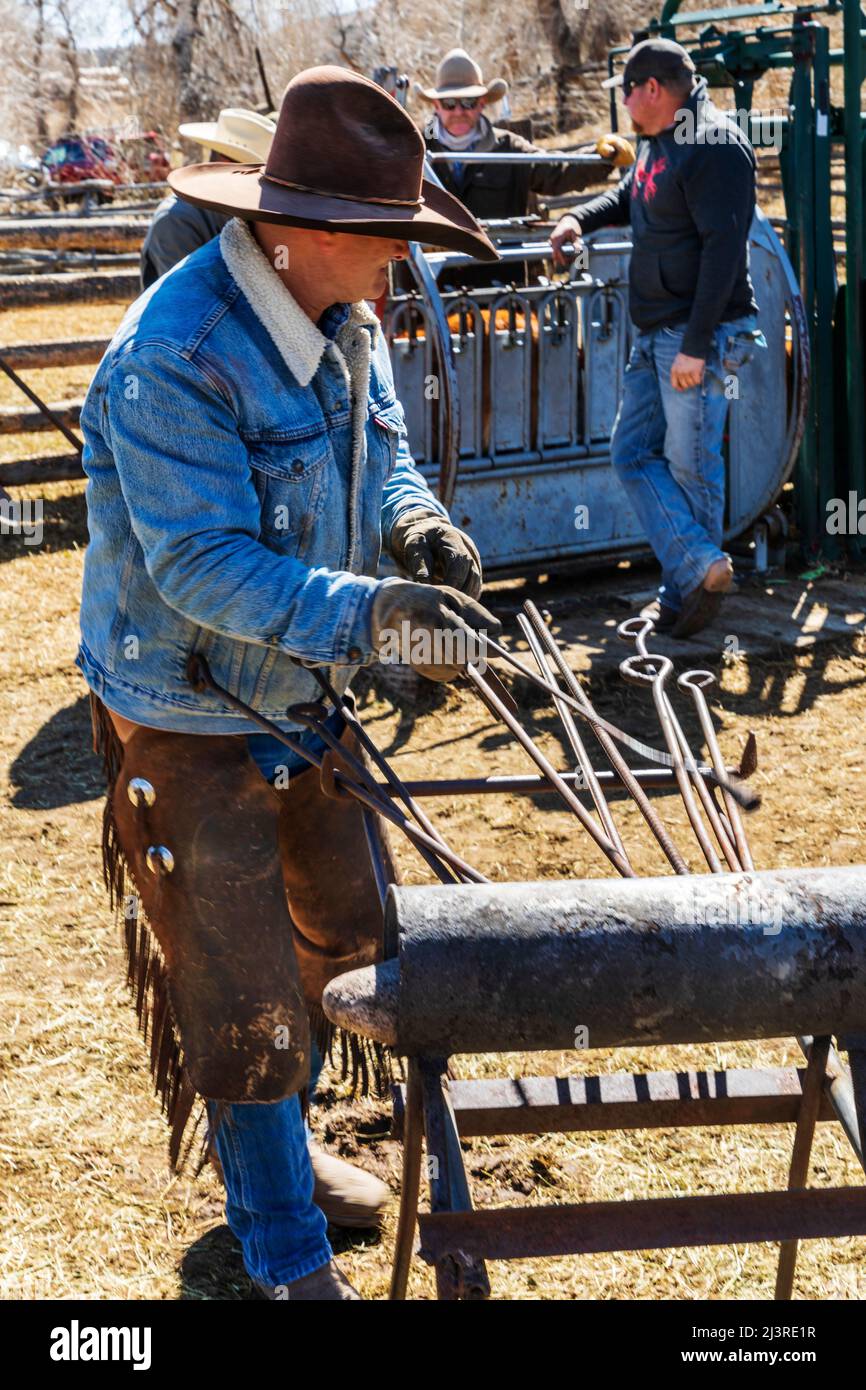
{"type": "Point", "coordinates": [659, 58]}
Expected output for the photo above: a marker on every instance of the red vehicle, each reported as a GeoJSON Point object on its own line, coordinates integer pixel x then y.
{"type": "Point", "coordinates": [130, 159]}
{"type": "Point", "coordinates": [77, 157]}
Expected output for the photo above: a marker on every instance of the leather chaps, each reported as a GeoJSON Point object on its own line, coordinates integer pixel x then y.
{"type": "Point", "coordinates": [240, 902]}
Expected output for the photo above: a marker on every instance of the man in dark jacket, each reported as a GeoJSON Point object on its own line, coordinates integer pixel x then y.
{"type": "Point", "coordinates": [690, 199]}
{"type": "Point", "coordinates": [458, 123]}
{"type": "Point", "coordinates": [177, 228]}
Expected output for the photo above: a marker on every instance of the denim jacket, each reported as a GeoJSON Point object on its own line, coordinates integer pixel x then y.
{"type": "Point", "coordinates": [245, 467]}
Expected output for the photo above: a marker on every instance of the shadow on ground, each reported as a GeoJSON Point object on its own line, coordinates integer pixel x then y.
{"type": "Point", "coordinates": [58, 766]}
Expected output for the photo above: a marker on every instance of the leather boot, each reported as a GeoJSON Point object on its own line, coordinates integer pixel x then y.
{"type": "Point", "coordinates": [325, 1285]}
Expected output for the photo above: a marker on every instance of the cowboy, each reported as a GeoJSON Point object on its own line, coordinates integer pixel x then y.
{"type": "Point", "coordinates": [177, 228]}
{"type": "Point", "coordinates": [247, 459]}
{"type": "Point", "coordinates": [690, 199]}
{"type": "Point", "coordinates": [459, 96]}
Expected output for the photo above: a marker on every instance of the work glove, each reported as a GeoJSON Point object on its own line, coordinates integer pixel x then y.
{"type": "Point", "coordinates": [432, 628]}
{"type": "Point", "coordinates": [431, 550]}
{"type": "Point", "coordinates": [617, 149]}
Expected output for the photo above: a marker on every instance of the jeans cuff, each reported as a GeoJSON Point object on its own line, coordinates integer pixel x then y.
{"type": "Point", "coordinates": [301, 1267]}
{"type": "Point", "coordinates": [691, 572]}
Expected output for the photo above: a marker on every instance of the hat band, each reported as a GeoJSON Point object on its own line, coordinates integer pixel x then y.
{"type": "Point", "coordinates": [347, 197]}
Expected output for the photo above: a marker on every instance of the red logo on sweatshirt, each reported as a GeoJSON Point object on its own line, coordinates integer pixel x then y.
{"type": "Point", "coordinates": [645, 178]}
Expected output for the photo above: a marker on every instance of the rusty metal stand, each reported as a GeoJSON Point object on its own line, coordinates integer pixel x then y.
{"type": "Point", "coordinates": [803, 1135]}
{"type": "Point", "coordinates": [456, 1240]}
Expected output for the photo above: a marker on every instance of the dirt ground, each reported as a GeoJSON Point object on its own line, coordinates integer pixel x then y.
{"type": "Point", "coordinates": [89, 1208]}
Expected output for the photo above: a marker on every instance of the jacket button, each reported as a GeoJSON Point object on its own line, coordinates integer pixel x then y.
{"type": "Point", "coordinates": [355, 653]}
{"type": "Point", "coordinates": [297, 465]}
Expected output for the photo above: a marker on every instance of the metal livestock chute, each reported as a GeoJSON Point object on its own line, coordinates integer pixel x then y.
{"type": "Point", "coordinates": [511, 393]}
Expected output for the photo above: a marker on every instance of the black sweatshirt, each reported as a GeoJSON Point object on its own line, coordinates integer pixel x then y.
{"type": "Point", "coordinates": [690, 199]}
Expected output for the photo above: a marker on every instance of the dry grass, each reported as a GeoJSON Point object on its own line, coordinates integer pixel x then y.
{"type": "Point", "coordinates": [89, 1207]}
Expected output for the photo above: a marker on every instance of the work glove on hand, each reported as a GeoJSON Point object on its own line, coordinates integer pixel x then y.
{"type": "Point", "coordinates": [431, 550]}
{"type": "Point", "coordinates": [426, 626]}
{"type": "Point", "coordinates": [617, 149]}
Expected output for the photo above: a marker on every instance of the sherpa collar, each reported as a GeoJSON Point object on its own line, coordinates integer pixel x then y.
{"type": "Point", "coordinates": [299, 342]}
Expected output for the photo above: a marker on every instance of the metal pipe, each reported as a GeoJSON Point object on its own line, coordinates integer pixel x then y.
{"type": "Point", "coordinates": [466, 157]}
{"type": "Point", "coordinates": [637, 962]}
{"type": "Point", "coordinates": [530, 784]}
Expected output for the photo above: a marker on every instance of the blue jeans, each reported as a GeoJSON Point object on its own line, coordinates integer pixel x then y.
{"type": "Point", "coordinates": [263, 1148]}
{"type": "Point", "coordinates": [667, 450]}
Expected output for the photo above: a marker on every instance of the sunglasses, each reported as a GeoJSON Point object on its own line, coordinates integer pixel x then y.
{"type": "Point", "coordinates": [451, 103]}
{"type": "Point", "coordinates": [628, 87]}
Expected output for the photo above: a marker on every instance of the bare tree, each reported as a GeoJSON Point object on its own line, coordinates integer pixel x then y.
{"type": "Point", "coordinates": [69, 51]}
{"type": "Point", "coordinates": [37, 70]}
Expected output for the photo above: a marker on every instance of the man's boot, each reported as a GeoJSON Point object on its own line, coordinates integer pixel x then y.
{"type": "Point", "coordinates": [326, 1285]}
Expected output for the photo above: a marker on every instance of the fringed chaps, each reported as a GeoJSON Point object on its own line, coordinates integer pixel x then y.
{"type": "Point", "coordinates": [227, 980]}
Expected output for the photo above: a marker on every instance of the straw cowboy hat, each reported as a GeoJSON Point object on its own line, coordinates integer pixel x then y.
{"type": "Point", "coordinates": [238, 134]}
{"type": "Point", "coordinates": [345, 157]}
{"type": "Point", "coordinates": [458, 75]}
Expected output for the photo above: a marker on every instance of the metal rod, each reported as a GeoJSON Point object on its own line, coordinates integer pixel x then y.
{"type": "Point", "coordinates": [198, 672]}
{"type": "Point", "coordinates": [638, 630]}
{"type": "Point", "coordinates": [654, 671]}
{"type": "Point", "coordinates": [587, 771]}
{"type": "Point", "coordinates": [531, 784]}
{"type": "Point", "coordinates": [497, 707]}
{"type": "Point", "coordinates": [46, 409]}
{"type": "Point", "coordinates": [747, 799]}
{"type": "Point", "coordinates": [465, 157]}
{"type": "Point", "coordinates": [696, 682]}
{"type": "Point", "coordinates": [628, 778]}
{"type": "Point", "coordinates": [395, 784]}
{"type": "Point", "coordinates": [303, 714]}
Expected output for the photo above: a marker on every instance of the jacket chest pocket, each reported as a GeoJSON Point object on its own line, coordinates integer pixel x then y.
{"type": "Point", "coordinates": [291, 478]}
{"type": "Point", "coordinates": [386, 426]}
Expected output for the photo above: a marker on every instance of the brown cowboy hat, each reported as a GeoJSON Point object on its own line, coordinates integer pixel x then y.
{"type": "Point", "coordinates": [345, 157]}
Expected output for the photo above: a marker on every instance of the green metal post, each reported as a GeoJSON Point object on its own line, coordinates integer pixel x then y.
{"type": "Point", "coordinates": [802, 165]}
{"type": "Point", "coordinates": [825, 291]}
{"type": "Point", "coordinates": [855, 237]}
